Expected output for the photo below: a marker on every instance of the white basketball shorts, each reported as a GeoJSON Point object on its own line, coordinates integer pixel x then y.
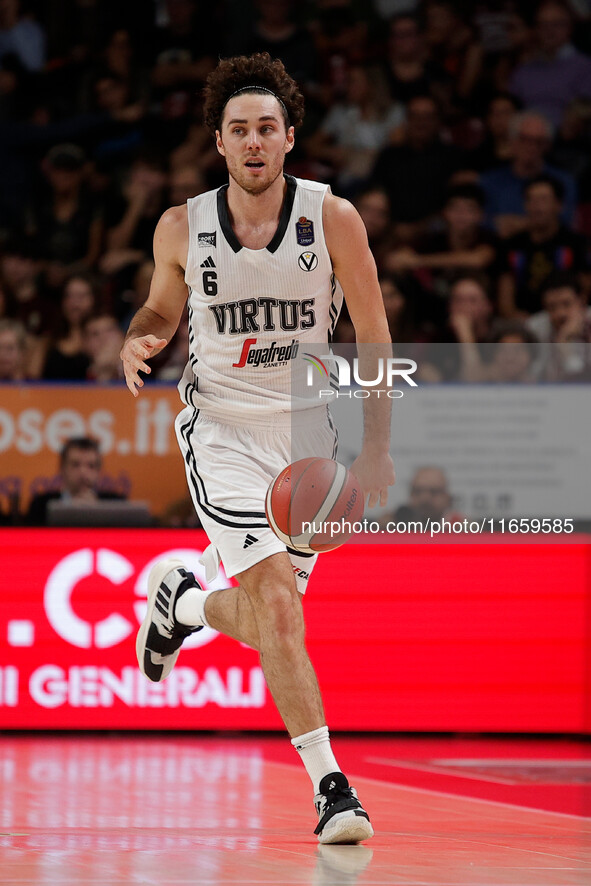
{"type": "Point", "coordinates": [229, 467]}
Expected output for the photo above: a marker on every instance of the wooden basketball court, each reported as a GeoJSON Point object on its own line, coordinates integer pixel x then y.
{"type": "Point", "coordinates": [173, 810]}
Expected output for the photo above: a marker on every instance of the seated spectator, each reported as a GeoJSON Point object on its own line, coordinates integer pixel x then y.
{"type": "Point", "coordinates": [410, 70]}
{"type": "Point", "coordinates": [114, 148]}
{"type": "Point", "coordinates": [509, 358]}
{"type": "Point", "coordinates": [470, 308]}
{"type": "Point", "coordinates": [132, 217]}
{"type": "Point", "coordinates": [558, 72]}
{"type": "Point", "coordinates": [572, 145]}
{"type": "Point", "coordinates": [80, 468]}
{"type": "Point", "coordinates": [373, 205]}
{"type": "Point", "coordinates": [5, 304]}
{"type": "Point", "coordinates": [416, 172]}
{"type": "Point", "coordinates": [565, 326]}
{"type": "Point", "coordinates": [464, 244]}
{"type": "Point", "coordinates": [515, 48]}
{"type": "Point", "coordinates": [184, 53]}
{"type": "Point", "coordinates": [67, 222]}
{"type": "Point", "coordinates": [65, 356]}
{"type": "Point", "coordinates": [13, 351]}
{"type": "Point", "coordinates": [531, 136]}
{"type": "Point", "coordinates": [429, 498]}
{"type": "Point", "coordinates": [565, 310]}
{"type": "Point", "coordinates": [132, 299]}
{"type": "Point", "coordinates": [496, 149]}
{"type": "Point", "coordinates": [19, 274]}
{"type": "Point", "coordinates": [547, 245]}
{"type": "Point", "coordinates": [275, 29]}
{"type": "Point", "coordinates": [355, 130]}
{"type": "Point", "coordinates": [340, 33]}
{"type": "Point", "coordinates": [17, 89]}
{"type": "Point", "coordinates": [197, 151]}
{"type": "Point", "coordinates": [21, 36]}
{"type": "Point", "coordinates": [453, 45]}
{"type": "Point", "coordinates": [400, 312]}
{"type": "Point", "coordinates": [103, 340]}
{"type": "Point", "coordinates": [119, 58]}
{"type": "Point", "coordinates": [469, 322]}
{"type": "Point", "coordinates": [514, 356]}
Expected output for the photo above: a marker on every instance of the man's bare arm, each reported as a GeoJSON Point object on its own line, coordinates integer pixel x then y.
{"type": "Point", "coordinates": [156, 322]}
{"type": "Point", "coordinates": [355, 269]}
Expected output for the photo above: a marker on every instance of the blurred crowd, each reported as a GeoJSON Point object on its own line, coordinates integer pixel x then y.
{"type": "Point", "coordinates": [460, 130]}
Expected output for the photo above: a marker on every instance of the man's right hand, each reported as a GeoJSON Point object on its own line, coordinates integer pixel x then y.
{"type": "Point", "coordinates": [134, 353]}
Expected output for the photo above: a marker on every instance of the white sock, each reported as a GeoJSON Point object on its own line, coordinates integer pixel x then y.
{"type": "Point", "coordinates": [190, 608]}
{"type": "Point", "coordinates": [316, 753]}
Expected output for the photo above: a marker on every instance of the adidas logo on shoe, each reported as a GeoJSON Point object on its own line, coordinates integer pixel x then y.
{"type": "Point", "coordinates": [249, 540]}
{"type": "Point", "coordinates": [341, 817]}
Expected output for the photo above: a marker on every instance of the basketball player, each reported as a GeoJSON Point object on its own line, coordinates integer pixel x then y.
{"type": "Point", "coordinates": [239, 252]}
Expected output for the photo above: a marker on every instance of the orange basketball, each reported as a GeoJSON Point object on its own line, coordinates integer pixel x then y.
{"type": "Point", "coordinates": [313, 503]}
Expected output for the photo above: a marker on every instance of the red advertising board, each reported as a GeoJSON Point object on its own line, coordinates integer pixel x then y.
{"type": "Point", "coordinates": [404, 637]}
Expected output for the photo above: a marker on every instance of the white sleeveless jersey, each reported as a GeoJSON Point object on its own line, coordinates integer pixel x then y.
{"type": "Point", "coordinates": [252, 312]}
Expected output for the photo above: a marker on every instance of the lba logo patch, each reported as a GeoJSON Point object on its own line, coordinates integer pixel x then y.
{"type": "Point", "coordinates": [308, 261]}
{"type": "Point", "coordinates": [304, 231]}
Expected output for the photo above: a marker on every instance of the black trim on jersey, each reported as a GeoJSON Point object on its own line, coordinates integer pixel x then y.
{"type": "Point", "coordinates": [333, 311]}
{"type": "Point", "coordinates": [224, 220]}
{"type": "Point", "coordinates": [275, 243]}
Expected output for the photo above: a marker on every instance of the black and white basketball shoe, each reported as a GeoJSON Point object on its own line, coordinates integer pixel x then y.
{"type": "Point", "coordinates": [341, 817]}
{"type": "Point", "coordinates": [160, 636]}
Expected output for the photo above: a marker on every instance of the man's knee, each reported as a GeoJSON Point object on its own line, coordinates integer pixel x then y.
{"type": "Point", "coordinates": [272, 590]}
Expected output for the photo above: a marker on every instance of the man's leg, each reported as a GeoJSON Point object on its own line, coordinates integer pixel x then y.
{"type": "Point", "coordinates": [265, 612]}
{"type": "Point", "coordinates": [277, 609]}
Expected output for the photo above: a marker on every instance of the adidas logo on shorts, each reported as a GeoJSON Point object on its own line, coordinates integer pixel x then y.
{"type": "Point", "coordinates": [249, 540]}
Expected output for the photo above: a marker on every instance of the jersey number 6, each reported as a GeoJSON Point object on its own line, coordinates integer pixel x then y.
{"type": "Point", "coordinates": [210, 286]}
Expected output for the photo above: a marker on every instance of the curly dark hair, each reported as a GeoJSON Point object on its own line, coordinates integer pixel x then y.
{"type": "Point", "coordinates": [258, 71]}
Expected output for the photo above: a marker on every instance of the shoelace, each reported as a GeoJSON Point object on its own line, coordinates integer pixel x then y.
{"type": "Point", "coordinates": [334, 795]}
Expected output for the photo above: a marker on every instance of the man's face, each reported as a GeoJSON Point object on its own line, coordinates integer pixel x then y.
{"type": "Point", "coordinates": [374, 209]}
{"type": "Point", "coordinates": [405, 39]}
{"type": "Point", "coordinates": [500, 114]}
{"type": "Point", "coordinates": [468, 299]}
{"type": "Point", "coordinates": [553, 28]}
{"type": "Point", "coordinates": [101, 334]}
{"type": "Point", "coordinates": [463, 214]}
{"type": "Point", "coordinates": [542, 206]}
{"type": "Point", "coordinates": [80, 471]}
{"type": "Point", "coordinates": [512, 358]}
{"type": "Point", "coordinates": [428, 494]}
{"type": "Point", "coordinates": [562, 304]}
{"type": "Point", "coordinates": [253, 141]}
{"type": "Point", "coordinates": [17, 270]}
{"type": "Point", "coordinates": [423, 120]}
{"type": "Point", "coordinates": [532, 142]}
{"type": "Point", "coordinates": [10, 355]}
